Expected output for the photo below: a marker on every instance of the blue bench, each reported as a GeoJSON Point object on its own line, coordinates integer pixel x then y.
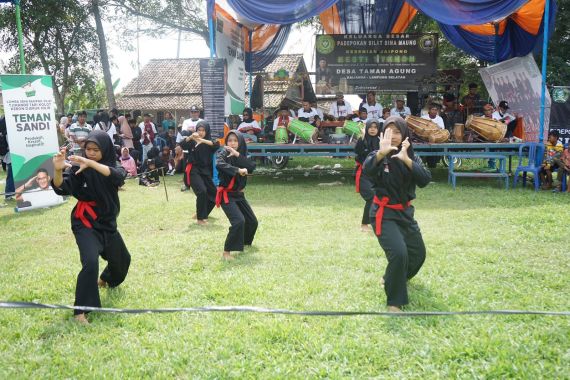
{"type": "Point", "coordinates": [501, 171]}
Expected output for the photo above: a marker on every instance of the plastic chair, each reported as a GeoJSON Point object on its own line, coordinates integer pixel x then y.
{"type": "Point", "coordinates": [535, 156]}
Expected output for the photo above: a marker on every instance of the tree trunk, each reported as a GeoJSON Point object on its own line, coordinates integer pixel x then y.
{"type": "Point", "coordinates": [104, 56]}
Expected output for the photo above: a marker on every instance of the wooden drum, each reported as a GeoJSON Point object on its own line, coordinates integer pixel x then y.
{"type": "Point", "coordinates": [427, 130]}
{"type": "Point", "coordinates": [458, 132]}
{"type": "Point", "coordinates": [489, 129]}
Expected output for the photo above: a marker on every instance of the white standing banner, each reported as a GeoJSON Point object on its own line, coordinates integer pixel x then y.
{"type": "Point", "coordinates": [230, 40]}
{"type": "Point", "coordinates": [29, 109]}
{"type": "Point", "coordinates": [519, 81]}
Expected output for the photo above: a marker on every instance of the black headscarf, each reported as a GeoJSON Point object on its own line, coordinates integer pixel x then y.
{"type": "Point", "coordinates": [372, 142]}
{"type": "Point", "coordinates": [106, 146]}
{"type": "Point", "coordinates": [206, 126]}
{"type": "Point", "coordinates": [404, 131]}
{"type": "Point", "coordinates": [242, 146]}
{"type": "Point", "coordinates": [249, 118]}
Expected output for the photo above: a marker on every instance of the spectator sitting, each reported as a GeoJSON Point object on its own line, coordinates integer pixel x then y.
{"type": "Point", "coordinates": [150, 178]}
{"type": "Point", "coordinates": [563, 168]}
{"type": "Point", "coordinates": [552, 153]}
{"type": "Point", "coordinates": [178, 159]}
{"type": "Point", "coordinates": [249, 127]}
{"type": "Point", "coordinates": [128, 163]}
{"type": "Point", "coordinates": [167, 160]}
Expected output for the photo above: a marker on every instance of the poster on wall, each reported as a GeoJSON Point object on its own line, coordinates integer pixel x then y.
{"type": "Point", "coordinates": [32, 136]}
{"type": "Point", "coordinates": [518, 81]}
{"type": "Point", "coordinates": [230, 39]}
{"type": "Point", "coordinates": [560, 112]}
{"type": "Point", "coordinates": [213, 89]}
{"type": "Point", "coordinates": [358, 63]}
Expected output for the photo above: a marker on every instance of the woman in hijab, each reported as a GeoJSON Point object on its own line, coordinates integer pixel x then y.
{"type": "Point", "coordinates": [94, 180]}
{"type": "Point", "coordinates": [249, 126]}
{"type": "Point", "coordinates": [233, 167]}
{"type": "Point", "coordinates": [395, 172]}
{"type": "Point", "coordinates": [369, 142]}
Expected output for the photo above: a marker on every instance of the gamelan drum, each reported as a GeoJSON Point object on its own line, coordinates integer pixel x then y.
{"type": "Point", "coordinates": [352, 128]}
{"type": "Point", "coordinates": [281, 136]}
{"type": "Point", "coordinates": [458, 132]}
{"type": "Point", "coordinates": [304, 130]}
{"type": "Point", "coordinates": [489, 129]}
{"type": "Point", "coordinates": [427, 130]}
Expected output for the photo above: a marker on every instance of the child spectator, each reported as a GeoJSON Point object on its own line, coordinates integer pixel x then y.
{"type": "Point", "coordinates": [150, 177]}
{"type": "Point", "coordinates": [564, 169]}
{"type": "Point", "coordinates": [552, 153]}
{"type": "Point", "coordinates": [128, 163]}
{"type": "Point", "coordinates": [167, 160]}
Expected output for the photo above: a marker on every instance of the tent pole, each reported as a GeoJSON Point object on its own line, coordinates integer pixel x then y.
{"type": "Point", "coordinates": [250, 35]}
{"type": "Point", "coordinates": [545, 29]}
{"type": "Point", "coordinates": [212, 31]}
{"type": "Point", "coordinates": [20, 38]}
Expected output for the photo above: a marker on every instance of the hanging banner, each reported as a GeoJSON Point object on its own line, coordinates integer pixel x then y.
{"type": "Point", "coordinates": [560, 111]}
{"type": "Point", "coordinates": [213, 89]}
{"type": "Point", "coordinates": [358, 63]}
{"type": "Point", "coordinates": [32, 136]}
{"type": "Point", "coordinates": [230, 39]}
{"type": "Point", "coordinates": [518, 81]}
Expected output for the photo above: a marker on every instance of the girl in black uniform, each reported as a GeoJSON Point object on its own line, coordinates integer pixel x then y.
{"type": "Point", "coordinates": [366, 144]}
{"type": "Point", "coordinates": [233, 168]}
{"type": "Point", "coordinates": [395, 173]}
{"type": "Point", "coordinates": [200, 151]}
{"type": "Point", "coordinates": [94, 180]}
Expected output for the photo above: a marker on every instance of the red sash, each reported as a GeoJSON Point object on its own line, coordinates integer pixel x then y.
{"type": "Point", "coordinates": [83, 207]}
{"type": "Point", "coordinates": [222, 193]}
{"type": "Point", "coordinates": [358, 174]}
{"type": "Point", "coordinates": [380, 213]}
{"type": "Point", "coordinates": [187, 171]}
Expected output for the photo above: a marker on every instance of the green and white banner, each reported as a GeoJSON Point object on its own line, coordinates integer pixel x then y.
{"type": "Point", "coordinates": [32, 136]}
{"type": "Point", "coordinates": [230, 39]}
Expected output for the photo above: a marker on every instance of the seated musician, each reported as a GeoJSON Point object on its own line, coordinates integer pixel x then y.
{"type": "Point", "coordinates": [249, 127]}
{"type": "Point", "coordinates": [309, 114]}
{"type": "Point", "coordinates": [282, 119]}
{"type": "Point", "coordinates": [433, 115]}
{"type": "Point", "coordinates": [340, 109]}
{"type": "Point", "coordinates": [385, 115]}
{"type": "Point", "coordinates": [450, 112]}
{"type": "Point", "coordinates": [400, 109]}
{"type": "Point", "coordinates": [488, 110]}
{"type": "Point", "coordinates": [503, 116]}
{"type": "Point", "coordinates": [362, 115]}
{"type": "Point", "coordinates": [373, 108]}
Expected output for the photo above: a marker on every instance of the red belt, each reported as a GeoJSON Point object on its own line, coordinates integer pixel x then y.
{"type": "Point", "coordinates": [83, 207]}
{"type": "Point", "coordinates": [222, 193]}
{"type": "Point", "coordinates": [358, 174]}
{"type": "Point", "coordinates": [187, 171]}
{"type": "Point", "coordinates": [380, 213]}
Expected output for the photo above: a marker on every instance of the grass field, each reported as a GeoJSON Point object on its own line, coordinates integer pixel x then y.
{"type": "Point", "coordinates": [487, 249]}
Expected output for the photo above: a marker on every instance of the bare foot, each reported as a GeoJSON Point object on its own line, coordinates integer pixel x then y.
{"type": "Point", "coordinates": [226, 256]}
{"type": "Point", "coordinates": [382, 281]}
{"type": "Point", "coordinates": [102, 284]}
{"type": "Point", "coordinates": [202, 222]}
{"type": "Point", "coordinates": [195, 216]}
{"type": "Point", "coordinates": [365, 228]}
{"type": "Point", "coordinates": [81, 319]}
{"type": "Point", "coordinates": [394, 309]}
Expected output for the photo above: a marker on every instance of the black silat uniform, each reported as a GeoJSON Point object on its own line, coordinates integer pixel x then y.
{"type": "Point", "coordinates": [94, 222]}
{"type": "Point", "coordinates": [364, 146]}
{"type": "Point", "coordinates": [231, 197]}
{"type": "Point", "coordinates": [392, 216]}
{"type": "Point", "coordinates": [200, 166]}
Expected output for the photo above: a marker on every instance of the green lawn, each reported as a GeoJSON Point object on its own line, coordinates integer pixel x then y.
{"type": "Point", "coordinates": [487, 249]}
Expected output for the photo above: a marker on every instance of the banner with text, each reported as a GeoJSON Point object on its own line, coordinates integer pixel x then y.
{"type": "Point", "coordinates": [518, 81]}
{"type": "Point", "coordinates": [357, 63]}
{"type": "Point", "coordinates": [32, 136]}
{"type": "Point", "coordinates": [230, 39]}
{"type": "Point", "coordinates": [213, 88]}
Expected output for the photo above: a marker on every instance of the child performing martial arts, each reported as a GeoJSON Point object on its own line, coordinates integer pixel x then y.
{"type": "Point", "coordinates": [199, 164]}
{"type": "Point", "coordinates": [369, 142]}
{"type": "Point", "coordinates": [233, 168]}
{"type": "Point", "coordinates": [395, 172]}
{"type": "Point", "coordinates": [94, 180]}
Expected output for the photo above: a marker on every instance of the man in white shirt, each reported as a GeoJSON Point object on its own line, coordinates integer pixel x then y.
{"type": "Point", "coordinates": [190, 124]}
{"type": "Point", "coordinates": [308, 114]}
{"type": "Point", "coordinates": [373, 109]}
{"type": "Point", "coordinates": [340, 109]}
{"type": "Point", "coordinates": [433, 115]}
{"type": "Point", "coordinates": [501, 113]}
{"type": "Point", "coordinates": [400, 109]}
{"type": "Point", "coordinates": [362, 115]}
{"type": "Point", "coordinates": [78, 132]}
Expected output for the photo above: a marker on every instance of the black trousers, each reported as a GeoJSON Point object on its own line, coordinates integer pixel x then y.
{"type": "Point", "coordinates": [243, 224]}
{"type": "Point", "coordinates": [367, 193]}
{"type": "Point", "coordinates": [205, 190]}
{"type": "Point", "coordinates": [405, 250]}
{"type": "Point", "coordinates": [92, 244]}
